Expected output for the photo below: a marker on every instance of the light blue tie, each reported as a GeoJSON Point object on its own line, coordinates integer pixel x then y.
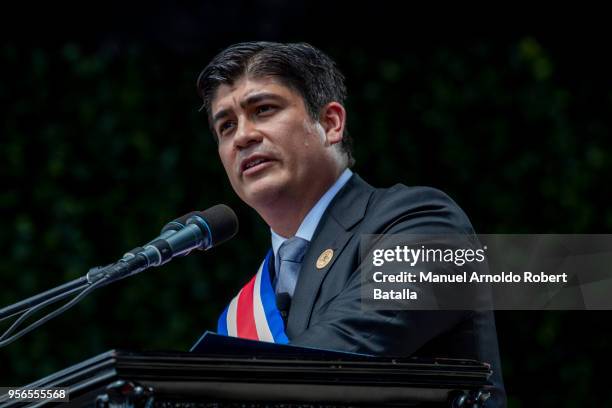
{"type": "Point", "coordinates": [290, 255]}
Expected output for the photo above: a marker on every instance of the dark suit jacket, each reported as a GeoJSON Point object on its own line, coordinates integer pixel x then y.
{"type": "Point", "coordinates": [326, 307]}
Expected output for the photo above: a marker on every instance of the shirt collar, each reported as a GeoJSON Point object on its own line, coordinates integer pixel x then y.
{"type": "Point", "coordinates": [311, 221]}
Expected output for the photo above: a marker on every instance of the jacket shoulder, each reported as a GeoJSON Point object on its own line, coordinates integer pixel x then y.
{"type": "Point", "coordinates": [418, 209]}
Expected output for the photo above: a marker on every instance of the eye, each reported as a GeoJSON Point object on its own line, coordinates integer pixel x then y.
{"type": "Point", "coordinates": [225, 126]}
{"type": "Point", "coordinates": [263, 109]}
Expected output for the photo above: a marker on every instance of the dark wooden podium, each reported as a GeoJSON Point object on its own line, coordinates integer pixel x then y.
{"type": "Point", "coordinates": [128, 379]}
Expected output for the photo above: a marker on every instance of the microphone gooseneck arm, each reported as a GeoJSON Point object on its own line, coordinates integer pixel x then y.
{"type": "Point", "coordinates": [196, 230]}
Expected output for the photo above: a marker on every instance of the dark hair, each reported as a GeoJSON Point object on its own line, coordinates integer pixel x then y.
{"type": "Point", "coordinates": [299, 66]}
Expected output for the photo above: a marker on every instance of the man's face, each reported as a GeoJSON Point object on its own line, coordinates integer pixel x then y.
{"type": "Point", "coordinates": [269, 145]}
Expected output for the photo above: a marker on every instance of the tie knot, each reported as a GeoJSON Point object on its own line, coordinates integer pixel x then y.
{"type": "Point", "coordinates": [293, 249]}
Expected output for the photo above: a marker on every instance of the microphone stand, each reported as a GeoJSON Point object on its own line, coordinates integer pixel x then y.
{"type": "Point", "coordinates": [60, 292]}
{"type": "Point", "coordinates": [95, 278]}
{"type": "Point", "coordinates": [5, 339]}
{"type": "Point", "coordinates": [178, 238]}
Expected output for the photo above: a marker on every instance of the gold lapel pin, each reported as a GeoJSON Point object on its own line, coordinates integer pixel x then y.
{"type": "Point", "coordinates": [324, 258]}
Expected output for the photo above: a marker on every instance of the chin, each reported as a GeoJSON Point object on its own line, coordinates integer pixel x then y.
{"type": "Point", "coordinates": [262, 193]}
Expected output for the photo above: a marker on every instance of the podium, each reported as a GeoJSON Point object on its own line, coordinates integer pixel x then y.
{"type": "Point", "coordinates": [171, 379]}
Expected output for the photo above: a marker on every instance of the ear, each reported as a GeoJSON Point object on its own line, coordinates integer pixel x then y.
{"type": "Point", "coordinates": [333, 118]}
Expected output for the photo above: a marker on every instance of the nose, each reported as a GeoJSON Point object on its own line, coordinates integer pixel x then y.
{"type": "Point", "coordinates": [246, 134]}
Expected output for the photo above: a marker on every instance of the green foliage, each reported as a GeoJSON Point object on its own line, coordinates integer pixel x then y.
{"type": "Point", "coordinates": [101, 146]}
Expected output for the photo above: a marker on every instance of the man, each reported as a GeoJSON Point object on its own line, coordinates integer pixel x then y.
{"type": "Point", "coordinates": [277, 112]}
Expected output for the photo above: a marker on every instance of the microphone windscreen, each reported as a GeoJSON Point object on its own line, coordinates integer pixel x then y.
{"type": "Point", "coordinates": [283, 302]}
{"type": "Point", "coordinates": [178, 223]}
{"type": "Point", "coordinates": [222, 221]}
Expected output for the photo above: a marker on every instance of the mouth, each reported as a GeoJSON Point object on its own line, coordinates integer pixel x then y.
{"type": "Point", "coordinates": [254, 164]}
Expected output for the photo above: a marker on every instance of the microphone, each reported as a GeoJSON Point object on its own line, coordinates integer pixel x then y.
{"type": "Point", "coordinates": [283, 304]}
{"type": "Point", "coordinates": [168, 229]}
{"type": "Point", "coordinates": [197, 230]}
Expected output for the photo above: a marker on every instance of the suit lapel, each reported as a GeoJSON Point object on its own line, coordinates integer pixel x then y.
{"type": "Point", "coordinates": [333, 232]}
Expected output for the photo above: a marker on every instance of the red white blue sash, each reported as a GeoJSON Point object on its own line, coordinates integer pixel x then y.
{"type": "Point", "coordinates": [253, 314]}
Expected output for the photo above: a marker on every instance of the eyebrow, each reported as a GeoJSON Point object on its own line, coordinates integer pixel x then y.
{"type": "Point", "coordinates": [251, 100]}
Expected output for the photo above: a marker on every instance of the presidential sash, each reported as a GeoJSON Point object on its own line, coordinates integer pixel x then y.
{"type": "Point", "coordinates": [253, 314]}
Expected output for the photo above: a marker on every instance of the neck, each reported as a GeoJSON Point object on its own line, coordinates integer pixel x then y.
{"type": "Point", "coordinates": [285, 214]}
{"type": "Point", "coordinates": [286, 219]}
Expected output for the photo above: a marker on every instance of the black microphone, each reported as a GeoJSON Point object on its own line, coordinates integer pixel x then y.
{"type": "Point", "coordinates": [202, 230]}
{"type": "Point", "coordinates": [283, 304]}
{"type": "Point", "coordinates": [169, 229]}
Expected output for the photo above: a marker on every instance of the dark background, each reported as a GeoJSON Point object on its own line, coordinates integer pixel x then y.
{"type": "Point", "coordinates": [101, 143]}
